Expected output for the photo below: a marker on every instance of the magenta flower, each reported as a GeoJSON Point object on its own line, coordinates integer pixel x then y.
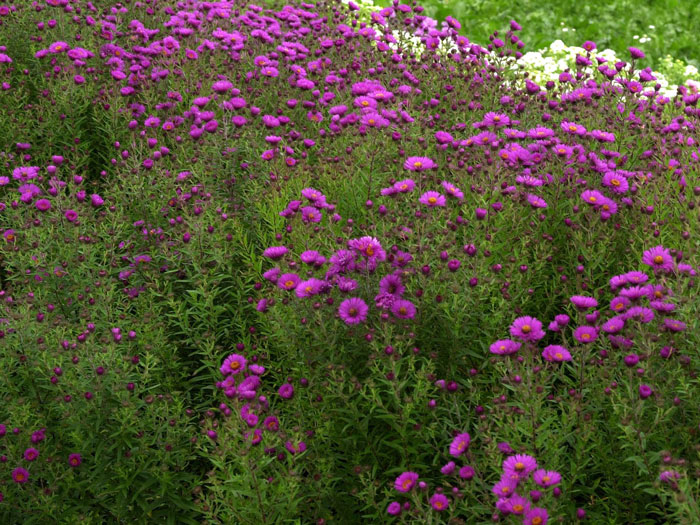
{"type": "Point", "coordinates": [74, 460]}
{"type": "Point", "coordinates": [536, 516]}
{"type": "Point", "coordinates": [517, 505]}
{"type": "Point", "coordinates": [286, 391]}
{"type": "Point", "coordinates": [556, 353]}
{"type": "Point", "coordinates": [583, 302]}
{"type": "Point", "coordinates": [659, 258]}
{"type": "Point", "coordinates": [20, 475]}
{"type": "Point", "coordinates": [403, 309]}
{"type": "Point", "coordinates": [432, 199]}
{"type": "Point", "coordinates": [535, 201]}
{"type": "Point", "coordinates": [460, 444]}
{"type": "Point", "coordinates": [43, 204]}
{"type": "Point", "coordinates": [585, 334]}
{"type": "Point", "coordinates": [419, 164]}
{"type": "Point", "coordinates": [31, 454]}
{"type": "Point", "coordinates": [546, 478]}
{"type": "Point", "coordinates": [404, 186]}
{"type": "Point", "coordinates": [368, 246]}
{"type": "Point", "coordinates": [439, 502]}
{"type": "Point", "coordinates": [288, 281]}
{"type": "Point", "coordinates": [405, 481]}
{"type": "Point", "coordinates": [309, 287]}
{"type": "Point", "coordinates": [233, 364]}
{"type": "Point", "coordinates": [453, 190]}
{"type": "Point", "coordinates": [616, 182]}
{"type": "Point", "coordinates": [71, 215]}
{"type": "Point", "coordinates": [353, 310]}
{"type": "Point", "coordinates": [527, 328]}
{"type": "Point", "coordinates": [394, 508]}
{"type": "Point", "coordinates": [519, 465]}
{"type": "Point", "coordinates": [504, 347]}
{"type": "Point", "coordinates": [645, 391]}
{"type": "Point", "coordinates": [505, 487]}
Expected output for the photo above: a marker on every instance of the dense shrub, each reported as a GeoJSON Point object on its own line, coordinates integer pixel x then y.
{"type": "Point", "coordinates": [261, 264]}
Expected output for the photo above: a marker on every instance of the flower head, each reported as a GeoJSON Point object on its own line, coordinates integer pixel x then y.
{"type": "Point", "coordinates": [659, 258]}
{"type": "Point", "coordinates": [460, 444]}
{"type": "Point", "coordinates": [419, 163]}
{"type": "Point", "coordinates": [353, 310]}
{"type": "Point", "coordinates": [527, 328]}
{"type": "Point", "coordinates": [556, 354]}
{"type": "Point", "coordinates": [519, 465]}
{"type": "Point", "coordinates": [432, 199]}
{"type": "Point", "coordinates": [406, 481]}
{"type": "Point", "coordinates": [439, 502]}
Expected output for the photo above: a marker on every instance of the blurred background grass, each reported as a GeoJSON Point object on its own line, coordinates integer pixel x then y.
{"type": "Point", "coordinates": [672, 26]}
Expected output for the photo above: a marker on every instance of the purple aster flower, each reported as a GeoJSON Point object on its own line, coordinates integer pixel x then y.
{"type": "Point", "coordinates": [394, 508]}
{"type": "Point", "coordinates": [453, 190]}
{"type": "Point", "coordinates": [640, 313]}
{"type": "Point", "coordinates": [353, 310]}
{"type": "Point", "coordinates": [527, 328]}
{"type": "Point", "coordinates": [233, 364]}
{"type": "Point", "coordinates": [419, 164]}
{"type": "Point", "coordinates": [391, 284]}
{"type": "Point", "coordinates": [369, 247]}
{"type": "Point", "coordinates": [403, 309]}
{"type": "Point", "coordinates": [674, 325]}
{"type": "Point", "coordinates": [645, 391]}
{"type": "Point", "coordinates": [460, 444]}
{"type": "Point", "coordinates": [583, 302]}
{"type": "Point", "coordinates": [310, 214]}
{"type": "Point", "coordinates": [31, 454]}
{"type": "Point", "coordinates": [536, 516]}
{"type": "Point", "coordinates": [405, 481]}
{"type": "Point", "coordinates": [20, 475]}
{"type": "Point", "coordinates": [586, 334]}
{"type": "Point", "coordinates": [536, 201]}
{"type": "Point", "coordinates": [286, 391]}
{"type": "Point", "coordinates": [636, 53]}
{"type": "Point", "coordinates": [309, 287]}
{"type": "Point", "coordinates": [619, 304]}
{"type": "Point", "coordinates": [614, 324]}
{"type": "Point", "coordinates": [404, 186]}
{"type": "Point", "coordinates": [546, 478]}
{"type": "Point", "coordinates": [74, 460]}
{"type": "Point", "coordinates": [505, 487]}
{"type": "Point", "coordinates": [516, 504]}
{"type": "Point", "coordinates": [659, 258]}
{"type": "Point", "coordinates": [504, 347]}
{"type": "Point", "coordinates": [43, 204]}
{"type": "Point", "coordinates": [556, 354]}
{"type": "Point", "coordinates": [439, 502]}
{"type": "Point", "coordinates": [432, 199]}
{"type": "Point", "coordinates": [288, 281]}
{"type": "Point", "coordinates": [520, 465]}
{"type": "Point", "coordinates": [616, 182]}
{"type": "Point", "coordinates": [448, 468]}
{"type": "Point", "coordinates": [275, 252]}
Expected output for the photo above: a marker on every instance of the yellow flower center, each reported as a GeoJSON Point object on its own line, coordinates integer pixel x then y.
{"type": "Point", "coordinates": [402, 310]}
{"type": "Point", "coordinates": [615, 182]}
{"type": "Point", "coordinates": [352, 311]}
{"type": "Point", "coordinates": [20, 476]}
{"type": "Point", "coordinates": [404, 186]}
{"type": "Point", "coordinates": [585, 337]}
{"type": "Point", "coordinates": [572, 127]}
{"type": "Point", "coordinates": [438, 504]}
{"type": "Point", "coordinates": [536, 520]}
{"type": "Point", "coordinates": [289, 283]}
{"type": "Point", "coordinates": [519, 465]}
{"type": "Point", "coordinates": [432, 200]}
{"type": "Point", "coordinates": [658, 259]}
{"type": "Point", "coordinates": [526, 329]}
{"type": "Point", "coordinates": [369, 250]}
{"type": "Point", "coordinates": [505, 489]}
{"type": "Point", "coordinates": [592, 199]}
{"type": "Point", "coordinates": [406, 484]}
{"type": "Point", "coordinates": [58, 48]}
{"type": "Point", "coordinates": [546, 478]}
{"type": "Point", "coordinates": [518, 507]}
{"type": "Point", "coordinates": [658, 294]}
{"type": "Point", "coordinates": [371, 121]}
{"type": "Point", "coordinates": [365, 103]}
{"type": "Point", "coordinates": [417, 164]}
{"type": "Point", "coordinates": [558, 355]}
{"type": "Point", "coordinates": [234, 365]}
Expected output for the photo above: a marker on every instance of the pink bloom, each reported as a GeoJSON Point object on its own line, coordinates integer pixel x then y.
{"type": "Point", "coordinates": [432, 199]}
